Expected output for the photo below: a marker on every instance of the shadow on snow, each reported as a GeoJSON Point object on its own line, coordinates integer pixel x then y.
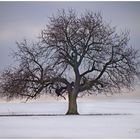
{"type": "Point", "coordinates": [96, 114]}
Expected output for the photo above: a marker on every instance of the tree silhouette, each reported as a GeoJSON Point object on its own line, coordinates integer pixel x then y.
{"type": "Point", "coordinates": [75, 54]}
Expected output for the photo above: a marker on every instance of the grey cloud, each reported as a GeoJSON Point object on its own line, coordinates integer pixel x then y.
{"type": "Point", "coordinates": [25, 19]}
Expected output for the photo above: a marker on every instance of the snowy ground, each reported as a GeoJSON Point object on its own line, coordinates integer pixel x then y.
{"type": "Point", "coordinates": [100, 123]}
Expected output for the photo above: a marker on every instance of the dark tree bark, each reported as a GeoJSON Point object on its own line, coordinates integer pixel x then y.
{"type": "Point", "coordinates": [72, 104]}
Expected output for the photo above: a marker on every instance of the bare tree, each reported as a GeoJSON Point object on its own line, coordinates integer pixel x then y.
{"type": "Point", "coordinates": [75, 54]}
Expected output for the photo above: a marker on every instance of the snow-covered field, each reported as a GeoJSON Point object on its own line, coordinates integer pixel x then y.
{"type": "Point", "coordinates": [106, 118]}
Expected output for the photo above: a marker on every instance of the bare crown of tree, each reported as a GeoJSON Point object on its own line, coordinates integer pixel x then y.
{"type": "Point", "coordinates": [75, 54]}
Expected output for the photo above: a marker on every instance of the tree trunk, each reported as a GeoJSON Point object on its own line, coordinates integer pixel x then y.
{"type": "Point", "coordinates": [72, 104]}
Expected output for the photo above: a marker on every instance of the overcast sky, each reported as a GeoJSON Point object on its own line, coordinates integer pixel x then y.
{"type": "Point", "coordinates": [19, 20]}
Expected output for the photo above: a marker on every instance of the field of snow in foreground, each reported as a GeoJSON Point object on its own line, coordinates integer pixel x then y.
{"type": "Point", "coordinates": [98, 124]}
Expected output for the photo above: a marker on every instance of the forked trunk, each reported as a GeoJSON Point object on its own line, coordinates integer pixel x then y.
{"type": "Point", "coordinates": [72, 104]}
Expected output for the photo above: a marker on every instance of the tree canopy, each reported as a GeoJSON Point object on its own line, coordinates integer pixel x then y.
{"type": "Point", "coordinates": [74, 54]}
